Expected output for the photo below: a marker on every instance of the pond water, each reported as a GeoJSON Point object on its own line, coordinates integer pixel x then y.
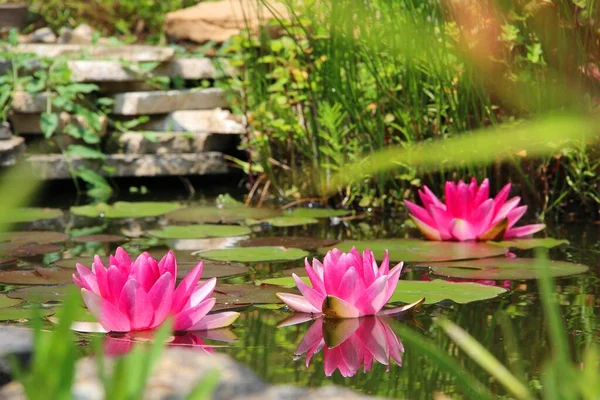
{"type": "Point", "coordinates": [271, 351]}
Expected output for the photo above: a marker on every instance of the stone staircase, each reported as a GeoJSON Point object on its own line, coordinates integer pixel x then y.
{"type": "Point", "coordinates": [189, 131]}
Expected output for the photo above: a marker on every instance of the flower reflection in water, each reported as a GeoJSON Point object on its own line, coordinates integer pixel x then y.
{"type": "Point", "coordinates": [350, 344]}
{"type": "Point", "coordinates": [117, 344]}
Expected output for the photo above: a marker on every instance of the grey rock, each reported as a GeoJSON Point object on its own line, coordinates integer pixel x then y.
{"type": "Point", "coordinates": [55, 166]}
{"type": "Point", "coordinates": [159, 102]}
{"type": "Point", "coordinates": [5, 131]}
{"type": "Point", "coordinates": [83, 34]}
{"type": "Point", "coordinates": [17, 343]}
{"type": "Point", "coordinates": [114, 71]}
{"type": "Point", "coordinates": [137, 53]}
{"type": "Point", "coordinates": [169, 142]}
{"type": "Point", "coordinates": [30, 123]}
{"type": "Point", "coordinates": [178, 371]}
{"type": "Point", "coordinates": [10, 150]}
{"type": "Point", "coordinates": [24, 102]}
{"type": "Point", "coordinates": [43, 35]}
{"type": "Point", "coordinates": [212, 121]}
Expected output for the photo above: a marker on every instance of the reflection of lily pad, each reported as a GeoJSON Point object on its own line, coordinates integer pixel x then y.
{"type": "Point", "coordinates": [123, 209]}
{"type": "Point", "coordinates": [201, 214]}
{"type": "Point", "coordinates": [14, 314]}
{"type": "Point", "coordinates": [99, 238]}
{"type": "Point", "coordinates": [506, 268]}
{"type": "Point", "coordinates": [299, 242]}
{"type": "Point", "coordinates": [282, 222]}
{"type": "Point", "coordinates": [413, 250]}
{"type": "Point", "coordinates": [433, 291]}
{"type": "Point", "coordinates": [30, 214]}
{"type": "Point", "coordinates": [42, 294]}
{"type": "Point", "coordinates": [318, 212]}
{"type": "Point", "coordinates": [200, 231]}
{"type": "Point", "coordinates": [36, 276]}
{"type": "Point", "coordinates": [531, 243]}
{"type": "Point", "coordinates": [253, 254]}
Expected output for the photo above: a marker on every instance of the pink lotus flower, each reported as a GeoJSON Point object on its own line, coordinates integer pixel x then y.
{"type": "Point", "coordinates": [346, 285]}
{"type": "Point", "coordinates": [350, 344]}
{"type": "Point", "coordinates": [470, 214]}
{"type": "Point", "coordinates": [140, 295]}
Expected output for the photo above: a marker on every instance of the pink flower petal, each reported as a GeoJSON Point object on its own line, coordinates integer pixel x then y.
{"type": "Point", "coordinates": [522, 231]}
{"type": "Point", "coordinates": [201, 292]}
{"type": "Point", "coordinates": [312, 296]}
{"type": "Point", "coordinates": [482, 217]}
{"type": "Point", "coordinates": [429, 198]}
{"type": "Point", "coordinates": [161, 297]}
{"type": "Point", "coordinates": [427, 231]}
{"type": "Point", "coordinates": [419, 213]}
{"type": "Point", "coordinates": [515, 215]}
{"type": "Point", "coordinates": [462, 230]}
{"type": "Point", "coordinates": [392, 282]}
{"type": "Point", "coordinates": [115, 279]}
{"type": "Point", "coordinates": [442, 221]}
{"type": "Point", "coordinates": [135, 303]}
{"type": "Point", "coordinates": [298, 303]}
{"type": "Point", "coordinates": [168, 264]}
{"type": "Point", "coordinates": [191, 316]}
{"type": "Point", "coordinates": [313, 337]}
{"type": "Point", "coordinates": [102, 278]}
{"type": "Point", "coordinates": [186, 287]}
{"type": "Point", "coordinates": [505, 209]}
{"type": "Point", "coordinates": [215, 321]}
{"type": "Point", "coordinates": [350, 287]}
{"type": "Point", "coordinates": [106, 313]}
{"type": "Point", "coordinates": [501, 197]}
{"type": "Point", "coordinates": [373, 298]}
{"type": "Point", "coordinates": [315, 279]}
{"type": "Point", "coordinates": [483, 193]}
{"type": "Point", "coordinates": [87, 279]}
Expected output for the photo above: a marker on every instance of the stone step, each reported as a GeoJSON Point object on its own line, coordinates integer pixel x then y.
{"type": "Point", "coordinates": [30, 123]}
{"type": "Point", "coordinates": [55, 166]}
{"type": "Point", "coordinates": [10, 150]}
{"type": "Point", "coordinates": [161, 102]}
{"type": "Point", "coordinates": [212, 121]}
{"type": "Point", "coordinates": [170, 142]}
{"type": "Point", "coordinates": [138, 53]}
{"type": "Point", "coordinates": [114, 71]}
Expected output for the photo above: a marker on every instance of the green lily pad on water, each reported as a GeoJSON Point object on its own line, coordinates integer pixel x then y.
{"type": "Point", "coordinates": [99, 238]}
{"type": "Point", "coordinates": [531, 243]}
{"type": "Point", "coordinates": [317, 213]}
{"type": "Point", "coordinates": [410, 291]}
{"type": "Point", "coordinates": [414, 250]}
{"type": "Point", "coordinates": [124, 209]}
{"type": "Point", "coordinates": [285, 221]}
{"type": "Point", "coordinates": [6, 301]}
{"type": "Point", "coordinates": [30, 214]}
{"type": "Point", "coordinates": [299, 242]}
{"type": "Point", "coordinates": [200, 231]}
{"type": "Point", "coordinates": [506, 268]}
{"type": "Point", "coordinates": [205, 214]}
{"type": "Point", "coordinates": [14, 314]}
{"type": "Point", "coordinates": [30, 243]}
{"type": "Point", "coordinates": [42, 294]}
{"type": "Point", "coordinates": [36, 276]}
{"type": "Point", "coordinates": [213, 269]}
{"type": "Point", "coordinates": [253, 254]}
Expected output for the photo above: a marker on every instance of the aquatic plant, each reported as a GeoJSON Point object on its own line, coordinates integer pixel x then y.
{"type": "Point", "coordinates": [346, 285]}
{"type": "Point", "coordinates": [351, 343]}
{"type": "Point", "coordinates": [141, 294]}
{"type": "Point", "coordinates": [469, 213]}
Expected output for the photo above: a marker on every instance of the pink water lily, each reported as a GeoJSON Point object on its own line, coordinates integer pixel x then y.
{"type": "Point", "coordinates": [346, 285]}
{"type": "Point", "coordinates": [470, 214]}
{"type": "Point", "coordinates": [351, 344]}
{"type": "Point", "coordinates": [140, 295]}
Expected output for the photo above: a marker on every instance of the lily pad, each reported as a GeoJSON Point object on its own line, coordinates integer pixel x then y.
{"type": "Point", "coordinates": [213, 269]}
{"type": "Point", "coordinates": [6, 301]}
{"type": "Point", "coordinates": [253, 254]}
{"type": "Point", "coordinates": [411, 291]}
{"type": "Point", "coordinates": [38, 237]}
{"type": "Point", "coordinates": [506, 268]}
{"type": "Point", "coordinates": [14, 314]}
{"type": "Point", "coordinates": [531, 243]}
{"type": "Point", "coordinates": [36, 276]}
{"type": "Point", "coordinates": [204, 214]}
{"type": "Point", "coordinates": [413, 250]}
{"type": "Point", "coordinates": [99, 238]}
{"type": "Point", "coordinates": [200, 231]}
{"type": "Point", "coordinates": [42, 294]}
{"type": "Point", "coordinates": [318, 212]}
{"type": "Point", "coordinates": [285, 221]}
{"type": "Point", "coordinates": [27, 214]}
{"type": "Point", "coordinates": [299, 242]}
{"type": "Point", "coordinates": [123, 209]}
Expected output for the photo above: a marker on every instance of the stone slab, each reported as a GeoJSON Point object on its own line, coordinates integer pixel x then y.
{"type": "Point", "coordinates": [114, 71]}
{"type": "Point", "coordinates": [179, 370]}
{"type": "Point", "coordinates": [30, 123]}
{"type": "Point", "coordinates": [170, 142]}
{"type": "Point", "coordinates": [212, 121]}
{"type": "Point", "coordinates": [160, 102]}
{"type": "Point", "coordinates": [5, 131]}
{"type": "Point", "coordinates": [54, 166]}
{"type": "Point", "coordinates": [139, 53]}
{"type": "Point", "coordinates": [10, 150]}
{"type": "Point", "coordinates": [24, 102]}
